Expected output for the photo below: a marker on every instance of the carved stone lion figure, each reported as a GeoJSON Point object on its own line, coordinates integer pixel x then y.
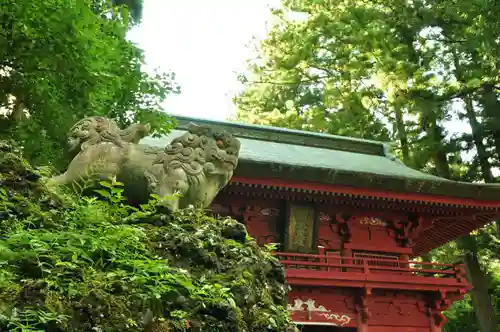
{"type": "Point", "coordinates": [97, 129]}
{"type": "Point", "coordinates": [196, 165]}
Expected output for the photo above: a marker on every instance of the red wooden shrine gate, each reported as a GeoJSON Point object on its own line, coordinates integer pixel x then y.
{"type": "Point", "coordinates": [347, 266]}
{"type": "Point", "coordinates": [347, 219]}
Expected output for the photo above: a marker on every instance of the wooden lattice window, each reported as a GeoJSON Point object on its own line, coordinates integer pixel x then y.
{"type": "Point", "coordinates": [378, 259]}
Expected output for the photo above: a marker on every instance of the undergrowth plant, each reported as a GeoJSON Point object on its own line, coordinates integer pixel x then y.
{"type": "Point", "coordinates": [77, 263]}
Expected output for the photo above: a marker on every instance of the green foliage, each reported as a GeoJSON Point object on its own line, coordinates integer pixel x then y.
{"type": "Point", "coordinates": [63, 60]}
{"type": "Point", "coordinates": [134, 7]}
{"type": "Point", "coordinates": [461, 317]}
{"type": "Point", "coordinates": [79, 264]}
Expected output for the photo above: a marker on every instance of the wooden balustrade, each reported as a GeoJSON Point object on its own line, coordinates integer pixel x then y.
{"type": "Point", "coordinates": [341, 264]}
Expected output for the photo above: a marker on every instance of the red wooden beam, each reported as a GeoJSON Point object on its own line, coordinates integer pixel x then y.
{"type": "Point", "coordinates": [367, 192]}
{"type": "Point", "coordinates": [303, 277]}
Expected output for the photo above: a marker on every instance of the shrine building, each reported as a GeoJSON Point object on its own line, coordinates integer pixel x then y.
{"type": "Point", "coordinates": [348, 218]}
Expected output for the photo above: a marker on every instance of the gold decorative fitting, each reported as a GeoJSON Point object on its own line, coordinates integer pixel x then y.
{"type": "Point", "coordinates": [372, 221]}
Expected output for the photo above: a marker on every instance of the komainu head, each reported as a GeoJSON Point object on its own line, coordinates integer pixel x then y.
{"type": "Point", "coordinates": [98, 129]}
{"type": "Point", "coordinates": [203, 149]}
{"type": "Point", "coordinates": [198, 164]}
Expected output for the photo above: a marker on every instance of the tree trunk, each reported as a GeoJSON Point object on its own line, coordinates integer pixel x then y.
{"type": "Point", "coordinates": [481, 299]}
{"type": "Point", "coordinates": [18, 109]}
{"type": "Point", "coordinates": [401, 134]}
{"type": "Point", "coordinates": [491, 106]}
{"type": "Point", "coordinates": [439, 154]}
{"type": "Point", "coordinates": [476, 127]}
{"type": "Point", "coordinates": [477, 137]}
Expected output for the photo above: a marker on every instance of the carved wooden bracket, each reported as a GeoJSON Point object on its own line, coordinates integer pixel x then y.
{"type": "Point", "coordinates": [461, 276]}
{"type": "Point", "coordinates": [343, 222]}
{"type": "Point", "coordinates": [437, 305]}
{"type": "Point", "coordinates": [405, 231]}
{"type": "Point", "coordinates": [237, 210]}
{"type": "Point", "coordinates": [436, 310]}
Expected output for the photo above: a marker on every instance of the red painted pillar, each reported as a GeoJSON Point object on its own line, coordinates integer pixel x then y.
{"type": "Point", "coordinates": [362, 327]}
{"type": "Point", "coordinates": [362, 311]}
{"type": "Point", "coordinates": [362, 322]}
{"type": "Point", "coordinates": [404, 257]}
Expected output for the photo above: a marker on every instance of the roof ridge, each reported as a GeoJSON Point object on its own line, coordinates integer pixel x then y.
{"type": "Point", "coordinates": [292, 136]}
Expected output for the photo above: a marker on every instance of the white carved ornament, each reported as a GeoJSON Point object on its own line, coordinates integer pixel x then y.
{"type": "Point", "coordinates": [270, 212]}
{"type": "Point", "coordinates": [372, 221]}
{"type": "Point", "coordinates": [324, 217]}
{"type": "Point", "coordinates": [334, 318]}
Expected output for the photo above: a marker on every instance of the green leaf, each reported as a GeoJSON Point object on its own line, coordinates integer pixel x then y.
{"type": "Point", "coordinates": [106, 184]}
{"type": "Point", "coordinates": [103, 193]}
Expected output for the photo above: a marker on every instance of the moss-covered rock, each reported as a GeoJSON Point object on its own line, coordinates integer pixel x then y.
{"type": "Point", "coordinates": [82, 264]}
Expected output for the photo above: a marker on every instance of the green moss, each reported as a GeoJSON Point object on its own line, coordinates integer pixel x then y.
{"type": "Point", "coordinates": [81, 264]}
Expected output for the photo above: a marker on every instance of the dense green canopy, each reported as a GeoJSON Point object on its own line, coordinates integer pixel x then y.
{"type": "Point", "coordinates": [63, 60]}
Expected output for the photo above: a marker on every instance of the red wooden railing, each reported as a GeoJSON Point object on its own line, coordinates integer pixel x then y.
{"type": "Point", "coordinates": [339, 264]}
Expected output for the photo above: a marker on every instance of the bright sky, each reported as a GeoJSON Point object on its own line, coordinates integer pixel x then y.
{"type": "Point", "coordinates": [205, 44]}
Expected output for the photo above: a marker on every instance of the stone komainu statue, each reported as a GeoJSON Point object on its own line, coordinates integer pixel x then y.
{"type": "Point", "coordinates": [97, 129]}
{"type": "Point", "coordinates": [195, 165]}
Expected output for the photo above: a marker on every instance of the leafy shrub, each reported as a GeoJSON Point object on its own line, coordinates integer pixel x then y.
{"type": "Point", "coordinates": [72, 263]}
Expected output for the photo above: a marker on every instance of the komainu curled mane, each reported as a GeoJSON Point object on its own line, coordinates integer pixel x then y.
{"type": "Point", "coordinates": [196, 165]}
{"type": "Point", "coordinates": [98, 129]}
{"type": "Point", "coordinates": [200, 158]}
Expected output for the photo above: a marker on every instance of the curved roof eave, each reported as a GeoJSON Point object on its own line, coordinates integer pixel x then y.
{"type": "Point", "coordinates": [329, 159]}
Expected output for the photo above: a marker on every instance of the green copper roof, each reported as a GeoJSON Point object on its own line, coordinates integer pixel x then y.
{"type": "Point", "coordinates": [330, 159]}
